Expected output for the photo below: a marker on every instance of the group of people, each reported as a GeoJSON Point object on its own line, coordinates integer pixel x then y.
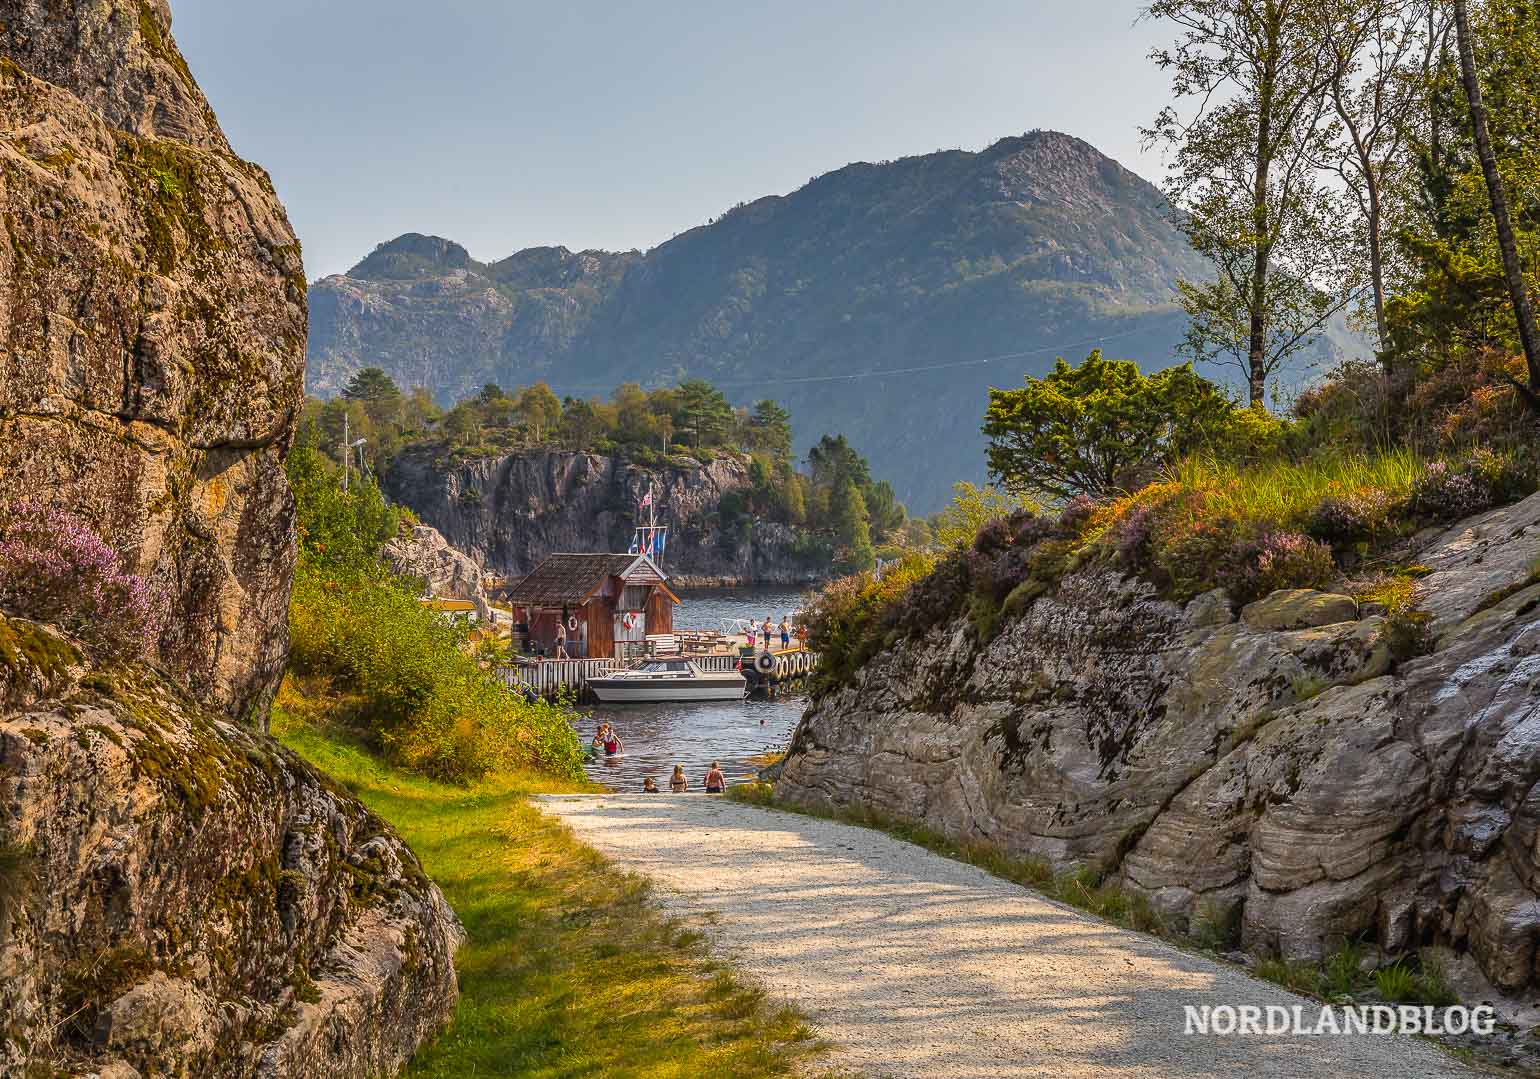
{"type": "Point", "coordinates": [605, 740]}
{"type": "Point", "coordinates": [766, 630]}
{"type": "Point", "coordinates": [716, 782]}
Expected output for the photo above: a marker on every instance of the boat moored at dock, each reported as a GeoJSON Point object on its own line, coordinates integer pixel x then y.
{"type": "Point", "coordinates": [668, 680]}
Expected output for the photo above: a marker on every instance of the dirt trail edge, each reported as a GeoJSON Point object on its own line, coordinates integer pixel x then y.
{"type": "Point", "coordinates": [920, 966]}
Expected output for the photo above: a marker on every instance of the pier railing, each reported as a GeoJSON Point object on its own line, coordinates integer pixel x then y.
{"type": "Point", "coordinates": [549, 677]}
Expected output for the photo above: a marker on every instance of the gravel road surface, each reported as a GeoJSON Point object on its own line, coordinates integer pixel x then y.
{"type": "Point", "coordinates": [919, 966]}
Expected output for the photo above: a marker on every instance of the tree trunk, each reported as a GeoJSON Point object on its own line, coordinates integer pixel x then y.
{"type": "Point", "coordinates": [1512, 271]}
{"type": "Point", "coordinates": [1256, 352]}
{"type": "Point", "coordinates": [1377, 267]}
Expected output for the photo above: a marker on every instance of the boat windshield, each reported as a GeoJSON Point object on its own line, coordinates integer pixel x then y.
{"type": "Point", "coordinates": [671, 666]}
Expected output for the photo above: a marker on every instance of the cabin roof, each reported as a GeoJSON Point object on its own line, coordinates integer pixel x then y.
{"type": "Point", "coordinates": [573, 578]}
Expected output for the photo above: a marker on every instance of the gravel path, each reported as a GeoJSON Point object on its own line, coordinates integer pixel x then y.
{"type": "Point", "coordinates": [916, 965]}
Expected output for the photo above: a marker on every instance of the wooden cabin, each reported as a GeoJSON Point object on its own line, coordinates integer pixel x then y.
{"type": "Point", "coordinates": [610, 604]}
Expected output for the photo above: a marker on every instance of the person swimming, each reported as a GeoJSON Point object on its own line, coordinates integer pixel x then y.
{"type": "Point", "coordinates": [650, 786]}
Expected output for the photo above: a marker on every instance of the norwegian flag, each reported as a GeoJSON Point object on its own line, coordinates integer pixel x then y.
{"type": "Point", "coordinates": [646, 499]}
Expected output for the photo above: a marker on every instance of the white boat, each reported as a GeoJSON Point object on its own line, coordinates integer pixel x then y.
{"type": "Point", "coordinates": [668, 680]}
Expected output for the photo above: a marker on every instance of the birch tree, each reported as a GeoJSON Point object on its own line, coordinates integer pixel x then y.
{"type": "Point", "coordinates": [1245, 138]}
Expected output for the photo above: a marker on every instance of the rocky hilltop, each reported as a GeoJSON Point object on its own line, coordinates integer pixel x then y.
{"type": "Point", "coordinates": [1272, 763]}
{"type": "Point", "coordinates": [1037, 245]}
{"type": "Point", "coordinates": [508, 512]}
{"type": "Point", "coordinates": [178, 894]}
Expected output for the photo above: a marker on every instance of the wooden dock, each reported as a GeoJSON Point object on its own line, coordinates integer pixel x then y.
{"type": "Point", "coordinates": [552, 677]}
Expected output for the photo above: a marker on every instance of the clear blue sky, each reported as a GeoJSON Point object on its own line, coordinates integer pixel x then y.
{"type": "Point", "coordinates": [504, 124]}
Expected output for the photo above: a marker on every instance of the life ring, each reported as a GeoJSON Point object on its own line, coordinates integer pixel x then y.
{"type": "Point", "coordinates": [572, 622]}
{"type": "Point", "coordinates": [764, 663]}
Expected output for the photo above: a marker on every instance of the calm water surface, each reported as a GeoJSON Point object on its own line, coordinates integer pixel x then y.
{"type": "Point", "coordinates": [658, 736]}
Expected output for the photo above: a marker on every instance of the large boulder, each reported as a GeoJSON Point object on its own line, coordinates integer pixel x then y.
{"type": "Point", "coordinates": [1277, 766]}
{"type": "Point", "coordinates": [185, 897]}
{"type": "Point", "coordinates": [152, 330]}
{"type": "Point", "coordinates": [423, 553]}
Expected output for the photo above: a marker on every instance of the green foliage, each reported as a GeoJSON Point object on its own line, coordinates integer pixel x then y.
{"type": "Point", "coordinates": [1342, 974]}
{"type": "Point", "coordinates": [1216, 925]}
{"type": "Point", "coordinates": [971, 507]}
{"type": "Point", "coordinates": [1100, 427]}
{"type": "Point", "coordinates": [1299, 977]}
{"type": "Point", "coordinates": [569, 967]}
{"type": "Point", "coordinates": [1396, 983]}
{"type": "Point", "coordinates": [848, 621]}
{"type": "Point", "coordinates": [419, 691]}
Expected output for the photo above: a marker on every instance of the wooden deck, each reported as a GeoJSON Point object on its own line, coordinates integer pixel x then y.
{"type": "Point", "coordinates": [550, 677]}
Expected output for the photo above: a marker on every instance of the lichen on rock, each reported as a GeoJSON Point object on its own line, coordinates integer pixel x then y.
{"type": "Point", "coordinates": [153, 332]}
{"type": "Point", "coordinates": [199, 901]}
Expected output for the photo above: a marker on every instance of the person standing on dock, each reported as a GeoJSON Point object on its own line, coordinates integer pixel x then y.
{"type": "Point", "coordinates": [764, 631]}
{"type": "Point", "coordinates": [561, 640]}
{"type": "Point", "coordinates": [785, 633]}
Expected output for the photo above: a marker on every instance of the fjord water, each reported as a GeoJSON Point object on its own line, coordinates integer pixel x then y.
{"type": "Point", "coordinates": [658, 736]}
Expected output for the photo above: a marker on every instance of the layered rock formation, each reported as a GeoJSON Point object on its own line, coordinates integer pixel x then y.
{"type": "Point", "coordinates": [178, 894]}
{"type": "Point", "coordinates": [184, 897]}
{"type": "Point", "coordinates": [509, 512]}
{"type": "Point", "coordinates": [423, 553]}
{"type": "Point", "coordinates": [152, 329]}
{"type": "Point", "coordinates": [1274, 764]}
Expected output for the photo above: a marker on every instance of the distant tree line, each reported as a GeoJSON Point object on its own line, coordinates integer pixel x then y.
{"type": "Point", "coordinates": [833, 497]}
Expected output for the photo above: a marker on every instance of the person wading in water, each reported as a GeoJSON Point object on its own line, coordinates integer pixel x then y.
{"type": "Point", "coordinates": [716, 782]}
{"type": "Point", "coordinates": [677, 782]}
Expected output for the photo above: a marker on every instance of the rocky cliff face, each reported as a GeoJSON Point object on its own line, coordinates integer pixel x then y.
{"type": "Point", "coordinates": [509, 512]}
{"type": "Point", "coordinates": [178, 894]}
{"type": "Point", "coordinates": [184, 897]}
{"type": "Point", "coordinates": [152, 329]}
{"type": "Point", "coordinates": [1275, 760]}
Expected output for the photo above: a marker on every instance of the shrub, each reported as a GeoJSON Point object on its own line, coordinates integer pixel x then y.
{"type": "Point", "coordinates": [850, 620]}
{"type": "Point", "coordinates": [426, 700]}
{"type": "Point", "coordinates": [1406, 628]}
{"type": "Point", "coordinates": [1272, 559]}
{"type": "Point", "coordinates": [1449, 490]}
{"type": "Point", "coordinates": [55, 568]}
{"type": "Point", "coordinates": [1350, 518]}
{"type": "Point", "coordinates": [1396, 983]}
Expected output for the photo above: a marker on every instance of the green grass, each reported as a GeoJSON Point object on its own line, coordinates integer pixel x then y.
{"type": "Point", "coordinates": [570, 969]}
{"type": "Point", "coordinates": [1283, 493]}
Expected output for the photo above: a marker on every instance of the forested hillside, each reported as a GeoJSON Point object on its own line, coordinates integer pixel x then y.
{"type": "Point", "coordinates": [1036, 246]}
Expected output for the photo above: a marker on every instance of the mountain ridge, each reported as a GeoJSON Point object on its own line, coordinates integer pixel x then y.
{"type": "Point", "coordinates": [1035, 242]}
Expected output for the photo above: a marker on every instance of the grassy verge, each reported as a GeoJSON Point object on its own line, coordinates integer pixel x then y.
{"type": "Point", "coordinates": [570, 969]}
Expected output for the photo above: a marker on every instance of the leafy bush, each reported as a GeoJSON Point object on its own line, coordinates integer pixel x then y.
{"type": "Point", "coordinates": [1396, 983]}
{"type": "Point", "coordinates": [55, 568]}
{"type": "Point", "coordinates": [1272, 559]}
{"type": "Point", "coordinates": [1449, 490]}
{"type": "Point", "coordinates": [432, 708]}
{"type": "Point", "coordinates": [850, 620]}
{"type": "Point", "coordinates": [421, 693]}
{"type": "Point", "coordinates": [1406, 629]}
